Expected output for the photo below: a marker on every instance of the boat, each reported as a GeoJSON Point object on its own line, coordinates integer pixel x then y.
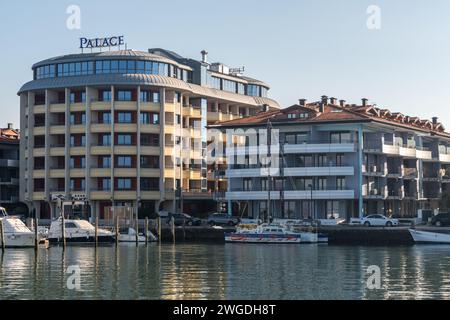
{"type": "Point", "coordinates": [129, 235]}
{"type": "Point", "coordinates": [429, 237]}
{"type": "Point", "coordinates": [16, 233]}
{"type": "Point", "coordinates": [77, 231]}
{"type": "Point", "coordinates": [270, 233]}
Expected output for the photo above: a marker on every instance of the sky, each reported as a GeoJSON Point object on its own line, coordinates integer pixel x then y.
{"type": "Point", "coordinates": [302, 48]}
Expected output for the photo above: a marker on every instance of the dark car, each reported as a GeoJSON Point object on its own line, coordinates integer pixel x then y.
{"type": "Point", "coordinates": [441, 219]}
{"type": "Point", "coordinates": [222, 219]}
{"type": "Point", "coordinates": [183, 219]}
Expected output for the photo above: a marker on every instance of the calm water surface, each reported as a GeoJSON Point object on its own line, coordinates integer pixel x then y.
{"type": "Point", "coordinates": [232, 271]}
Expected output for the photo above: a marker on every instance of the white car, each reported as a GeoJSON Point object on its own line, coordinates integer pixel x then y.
{"type": "Point", "coordinates": [378, 220]}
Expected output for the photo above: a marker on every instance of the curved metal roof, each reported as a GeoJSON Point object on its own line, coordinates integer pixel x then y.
{"type": "Point", "coordinates": [120, 54]}
{"type": "Point", "coordinates": [143, 80]}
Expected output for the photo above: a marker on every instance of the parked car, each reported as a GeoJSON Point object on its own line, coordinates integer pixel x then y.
{"type": "Point", "coordinates": [378, 220]}
{"type": "Point", "coordinates": [441, 219]}
{"type": "Point", "coordinates": [222, 219]}
{"type": "Point", "coordinates": [183, 218]}
{"type": "Point", "coordinates": [163, 214]}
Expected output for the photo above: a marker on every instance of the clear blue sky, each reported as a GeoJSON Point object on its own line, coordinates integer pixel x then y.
{"type": "Point", "coordinates": [303, 48]}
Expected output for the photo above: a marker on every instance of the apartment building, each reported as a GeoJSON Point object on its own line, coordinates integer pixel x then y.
{"type": "Point", "coordinates": [9, 168]}
{"type": "Point", "coordinates": [337, 159]}
{"type": "Point", "coordinates": [127, 129]}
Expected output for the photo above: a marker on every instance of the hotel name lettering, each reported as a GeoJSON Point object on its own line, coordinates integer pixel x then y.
{"type": "Point", "coordinates": [86, 43]}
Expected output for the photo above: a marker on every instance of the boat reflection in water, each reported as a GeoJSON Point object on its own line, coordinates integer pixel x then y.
{"type": "Point", "coordinates": [277, 232]}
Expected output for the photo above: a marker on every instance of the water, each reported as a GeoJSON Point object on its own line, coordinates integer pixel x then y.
{"type": "Point", "coordinates": [232, 271]}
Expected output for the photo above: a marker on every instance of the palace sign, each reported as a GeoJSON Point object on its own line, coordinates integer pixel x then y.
{"type": "Point", "coordinates": [101, 42]}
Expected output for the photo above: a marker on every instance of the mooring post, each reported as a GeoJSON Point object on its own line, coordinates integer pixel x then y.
{"type": "Point", "coordinates": [117, 230]}
{"type": "Point", "coordinates": [159, 230]}
{"type": "Point", "coordinates": [146, 230]}
{"type": "Point", "coordinates": [173, 229]}
{"type": "Point", "coordinates": [36, 239]}
{"type": "Point", "coordinates": [2, 235]}
{"type": "Point", "coordinates": [63, 230]}
{"type": "Point", "coordinates": [96, 230]}
{"type": "Point", "coordinates": [137, 227]}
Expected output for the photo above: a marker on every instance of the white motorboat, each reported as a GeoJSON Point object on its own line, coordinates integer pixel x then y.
{"type": "Point", "coordinates": [16, 233]}
{"type": "Point", "coordinates": [271, 233]}
{"type": "Point", "coordinates": [429, 237]}
{"type": "Point", "coordinates": [129, 235]}
{"type": "Point", "coordinates": [77, 231]}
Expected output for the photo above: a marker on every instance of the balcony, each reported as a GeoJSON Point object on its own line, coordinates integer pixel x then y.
{"type": "Point", "coordinates": [445, 158]}
{"type": "Point", "coordinates": [320, 148]}
{"type": "Point", "coordinates": [125, 195]}
{"type": "Point", "coordinates": [57, 173]}
{"type": "Point", "coordinates": [150, 107]}
{"type": "Point", "coordinates": [39, 109]}
{"type": "Point", "coordinates": [78, 128]}
{"type": "Point", "coordinates": [57, 129]}
{"type": "Point", "coordinates": [150, 128]}
{"type": "Point", "coordinates": [292, 195]}
{"type": "Point", "coordinates": [150, 195]}
{"type": "Point", "coordinates": [77, 173]}
{"type": "Point", "coordinates": [395, 194]}
{"type": "Point", "coordinates": [375, 193]}
{"type": "Point", "coordinates": [125, 150]}
{"type": "Point", "coordinates": [150, 172]}
{"type": "Point", "coordinates": [410, 173]}
{"type": "Point", "coordinates": [78, 107]}
{"type": "Point", "coordinates": [39, 130]}
{"type": "Point", "coordinates": [125, 105]}
{"type": "Point", "coordinates": [9, 181]}
{"type": "Point", "coordinates": [292, 172]}
{"type": "Point", "coordinates": [101, 106]}
{"type": "Point", "coordinates": [100, 172]}
{"type": "Point", "coordinates": [100, 195]}
{"type": "Point", "coordinates": [125, 127]}
{"type": "Point", "coordinates": [125, 172]}
{"type": "Point", "coordinates": [7, 163]}
{"type": "Point", "coordinates": [77, 151]}
{"type": "Point", "coordinates": [374, 171]}
{"type": "Point", "coordinates": [100, 127]}
{"type": "Point", "coordinates": [58, 108]}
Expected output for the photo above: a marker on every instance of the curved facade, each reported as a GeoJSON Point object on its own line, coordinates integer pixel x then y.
{"type": "Point", "coordinates": [127, 128]}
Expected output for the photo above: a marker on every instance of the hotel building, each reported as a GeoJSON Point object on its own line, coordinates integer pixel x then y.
{"type": "Point", "coordinates": [339, 160]}
{"type": "Point", "coordinates": [127, 128]}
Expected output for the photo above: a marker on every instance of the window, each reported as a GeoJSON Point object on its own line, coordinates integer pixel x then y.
{"type": "Point", "coordinates": [106, 95]}
{"type": "Point", "coordinates": [149, 140]}
{"type": "Point", "coordinates": [322, 160]}
{"type": "Point", "coordinates": [247, 184]}
{"type": "Point", "coordinates": [149, 184]}
{"type": "Point", "coordinates": [106, 184]}
{"type": "Point", "coordinates": [149, 118]}
{"type": "Point", "coordinates": [339, 160]}
{"type": "Point", "coordinates": [178, 119]}
{"type": "Point", "coordinates": [332, 209]}
{"type": "Point", "coordinates": [124, 117]}
{"type": "Point", "coordinates": [340, 137]}
{"type": "Point", "coordinates": [303, 183]}
{"type": "Point", "coordinates": [124, 139]}
{"type": "Point", "coordinates": [340, 183]}
{"type": "Point", "coordinates": [105, 162]}
{"type": "Point", "coordinates": [123, 184]}
{"type": "Point", "coordinates": [124, 95]}
{"type": "Point", "coordinates": [124, 161]}
{"type": "Point", "coordinates": [105, 118]}
{"type": "Point", "coordinates": [322, 184]}
{"type": "Point", "coordinates": [253, 90]}
{"type": "Point", "coordinates": [105, 140]}
{"type": "Point", "coordinates": [303, 161]}
{"type": "Point", "coordinates": [150, 96]}
{"type": "Point", "coordinates": [150, 162]}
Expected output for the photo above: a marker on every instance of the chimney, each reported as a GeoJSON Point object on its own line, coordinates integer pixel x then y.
{"type": "Point", "coordinates": [204, 56]}
{"type": "Point", "coordinates": [342, 103]}
{"type": "Point", "coordinates": [333, 101]}
{"type": "Point", "coordinates": [302, 102]}
{"type": "Point", "coordinates": [10, 126]}
{"type": "Point", "coordinates": [265, 107]}
{"type": "Point", "coordinates": [435, 120]}
{"type": "Point", "coordinates": [324, 100]}
{"type": "Point", "coordinates": [364, 102]}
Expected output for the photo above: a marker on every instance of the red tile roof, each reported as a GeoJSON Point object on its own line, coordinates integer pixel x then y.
{"type": "Point", "coordinates": [9, 135]}
{"type": "Point", "coordinates": [338, 113]}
